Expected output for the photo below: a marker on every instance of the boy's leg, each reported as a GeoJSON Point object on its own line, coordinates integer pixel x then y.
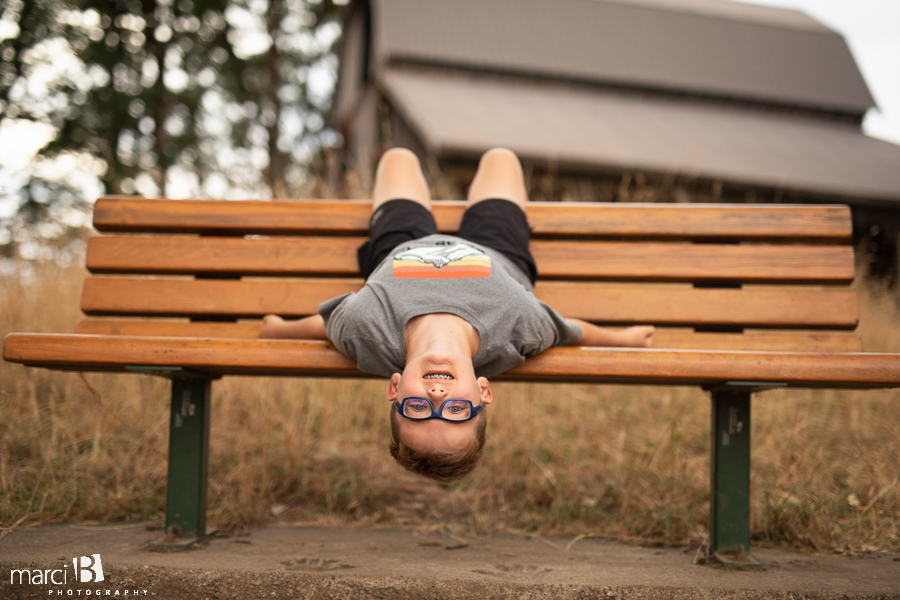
{"type": "Point", "coordinates": [499, 175]}
{"type": "Point", "coordinates": [399, 175]}
{"type": "Point", "coordinates": [495, 215]}
{"type": "Point", "coordinates": [401, 208]}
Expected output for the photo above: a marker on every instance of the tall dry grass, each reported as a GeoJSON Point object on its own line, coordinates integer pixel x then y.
{"type": "Point", "coordinates": [629, 463]}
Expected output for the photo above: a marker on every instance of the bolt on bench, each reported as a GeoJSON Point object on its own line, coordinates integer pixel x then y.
{"type": "Point", "coordinates": [744, 297]}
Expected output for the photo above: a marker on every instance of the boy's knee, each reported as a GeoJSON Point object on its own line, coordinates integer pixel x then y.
{"type": "Point", "coordinates": [500, 153]}
{"type": "Point", "coordinates": [501, 157]}
{"type": "Point", "coordinates": [399, 158]}
{"type": "Point", "coordinates": [399, 175]}
{"type": "Point", "coordinates": [499, 175]}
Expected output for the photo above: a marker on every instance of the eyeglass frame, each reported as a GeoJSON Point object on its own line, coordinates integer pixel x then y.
{"type": "Point", "coordinates": [435, 414]}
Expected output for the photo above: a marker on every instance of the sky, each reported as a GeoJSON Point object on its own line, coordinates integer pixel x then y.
{"type": "Point", "coordinates": [872, 30]}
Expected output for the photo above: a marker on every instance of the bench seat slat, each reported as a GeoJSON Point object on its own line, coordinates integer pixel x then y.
{"type": "Point", "coordinates": [807, 341]}
{"type": "Point", "coordinates": [829, 223]}
{"type": "Point", "coordinates": [624, 261]}
{"type": "Point", "coordinates": [600, 302]}
{"type": "Point", "coordinates": [573, 364]}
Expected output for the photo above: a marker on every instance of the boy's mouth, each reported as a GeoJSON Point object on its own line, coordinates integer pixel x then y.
{"type": "Point", "coordinates": [443, 375]}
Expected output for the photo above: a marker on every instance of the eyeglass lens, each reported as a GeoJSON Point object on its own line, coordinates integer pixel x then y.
{"type": "Point", "coordinates": [420, 408]}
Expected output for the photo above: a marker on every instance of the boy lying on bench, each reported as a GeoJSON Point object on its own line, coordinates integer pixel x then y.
{"type": "Point", "coordinates": [439, 314]}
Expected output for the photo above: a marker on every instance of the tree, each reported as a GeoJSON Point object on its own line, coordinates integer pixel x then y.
{"type": "Point", "coordinates": [281, 73]}
{"type": "Point", "coordinates": [182, 97]}
{"type": "Point", "coordinates": [37, 85]}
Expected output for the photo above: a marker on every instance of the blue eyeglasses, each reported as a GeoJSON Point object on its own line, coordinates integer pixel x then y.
{"type": "Point", "coordinates": [455, 410]}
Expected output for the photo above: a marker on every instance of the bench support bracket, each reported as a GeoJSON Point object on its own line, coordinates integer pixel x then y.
{"type": "Point", "coordinates": [729, 523]}
{"type": "Point", "coordinates": [188, 463]}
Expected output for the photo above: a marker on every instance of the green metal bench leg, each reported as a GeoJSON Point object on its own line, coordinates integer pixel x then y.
{"type": "Point", "coordinates": [729, 524]}
{"type": "Point", "coordinates": [188, 463]}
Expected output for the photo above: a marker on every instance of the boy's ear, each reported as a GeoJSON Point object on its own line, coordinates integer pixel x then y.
{"type": "Point", "coordinates": [484, 388]}
{"type": "Point", "coordinates": [393, 384]}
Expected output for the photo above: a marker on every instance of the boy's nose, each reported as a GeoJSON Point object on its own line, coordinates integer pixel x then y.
{"type": "Point", "coordinates": [437, 391]}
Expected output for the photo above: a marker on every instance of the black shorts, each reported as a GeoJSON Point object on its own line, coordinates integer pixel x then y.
{"type": "Point", "coordinates": [495, 223]}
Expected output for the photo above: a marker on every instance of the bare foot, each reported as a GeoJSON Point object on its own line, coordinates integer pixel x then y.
{"type": "Point", "coordinates": [639, 336]}
{"type": "Point", "coordinates": [271, 323]}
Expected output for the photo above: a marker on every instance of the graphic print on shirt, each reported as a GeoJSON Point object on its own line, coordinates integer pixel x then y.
{"type": "Point", "coordinates": [447, 260]}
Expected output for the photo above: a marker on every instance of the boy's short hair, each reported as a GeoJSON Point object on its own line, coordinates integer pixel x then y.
{"type": "Point", "coordinates": [439, 467]}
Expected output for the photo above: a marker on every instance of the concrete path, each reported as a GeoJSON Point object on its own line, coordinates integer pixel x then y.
{"type": "Point", "coordinates": [301, 562]}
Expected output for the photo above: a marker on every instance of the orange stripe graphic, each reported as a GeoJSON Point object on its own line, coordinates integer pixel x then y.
{"type": "Point", "coordinates": [445, 273]}
{"type": "Point", "coordinates": [468, 266]}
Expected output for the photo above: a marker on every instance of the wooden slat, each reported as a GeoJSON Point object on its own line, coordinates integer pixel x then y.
{"type": "Point", "coordinates": [590, 365]}
{"type": "Point", "coordinates": [829, 224]}
{"type": "Point", "coordinates": [221, 356]}
{"type": "Point", "coordinates": [160, 215]}
{"type": "Point", "coordinates": [780, 341]}
{"type": "Point", "coordinates": [147, 296]}
{"type": "Point", "coordinates": [274, 256]}
{"type": "Point", "coordinates": [710, 368]}
{"type": "Point", "coordinates": [624, 261]}
{"type": "Point", "coordinates": [606, 303]}
{"type": "Point", "coordinates": [654, 261]}
{"type": "Point", "coordinates": [170, 328]}
{"type": "Point", "coordinates": [324, 217]}
{"type": "Point", "coordinates": [685, 339]}
{"type": "Point", "coordinates": [754, 306]}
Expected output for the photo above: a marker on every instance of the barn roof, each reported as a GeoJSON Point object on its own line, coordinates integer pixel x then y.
{"type": "Point", "coordinates": [707, 47]}
{"type": "Point", "coordinates": [580, 126]}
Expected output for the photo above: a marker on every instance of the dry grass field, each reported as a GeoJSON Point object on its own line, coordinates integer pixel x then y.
{"type": "Point", "coordinates": [627, 463]}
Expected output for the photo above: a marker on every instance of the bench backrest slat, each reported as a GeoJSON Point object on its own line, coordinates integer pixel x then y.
{"type": "Point", "coordinates": [827, 223]}
{"type": "Point", "coordinates": [605, 303]}
{"type": "Point", "coordinates": [623, 261]}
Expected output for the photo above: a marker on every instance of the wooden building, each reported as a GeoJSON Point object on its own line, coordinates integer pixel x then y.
{"type": "Point", "coordinates": [619, 100]}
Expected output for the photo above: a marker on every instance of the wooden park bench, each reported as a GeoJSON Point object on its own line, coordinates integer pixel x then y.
{"type": "Point", "coordinates": [745, 298]}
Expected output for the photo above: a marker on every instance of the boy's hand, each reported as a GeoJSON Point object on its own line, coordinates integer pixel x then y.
{"type": "Point", "coordinates": [272, 324]}
{"type": "Point", "coordinates": [308, 328]}
{"type": "Point", "coordinates": [269, 319]}
{"type": "Point", "coordinates": [639, 336]}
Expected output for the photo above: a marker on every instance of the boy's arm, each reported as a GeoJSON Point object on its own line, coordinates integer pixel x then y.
{"type": "Point", "coordinates": [640, 336]}
{"type": "Point", "coordinates": [308, 328]}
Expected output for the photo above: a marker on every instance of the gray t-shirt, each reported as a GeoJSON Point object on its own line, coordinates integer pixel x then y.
{"type": "Point", "coordinates": [447, 274]}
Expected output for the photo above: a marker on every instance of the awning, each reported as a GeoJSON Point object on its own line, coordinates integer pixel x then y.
{"type": "Point", "coordinates": [581, 125]}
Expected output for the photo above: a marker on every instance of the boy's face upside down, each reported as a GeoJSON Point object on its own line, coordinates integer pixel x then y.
{"type": "Point", "coordinates": [438, 377]}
